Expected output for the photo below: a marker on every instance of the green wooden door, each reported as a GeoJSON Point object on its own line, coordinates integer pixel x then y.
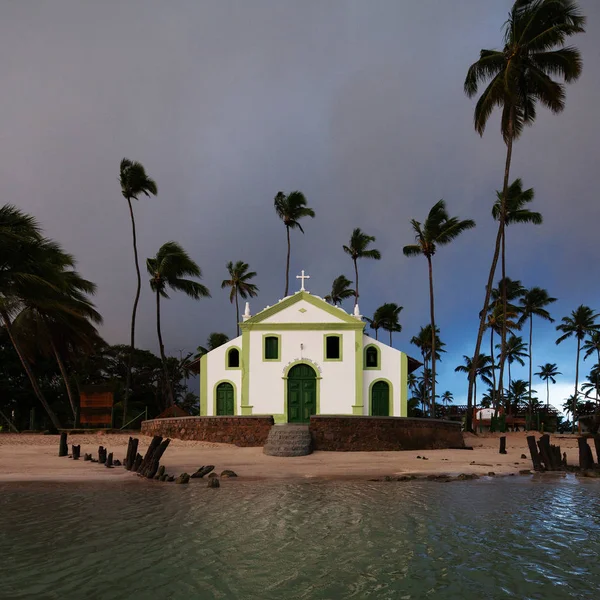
{"type": "Point", "coordinates": [380, 399]}
{"type": "Point", "coordinates": [225, 399]}
{"type": "Point", "coordinates": [302, 394]}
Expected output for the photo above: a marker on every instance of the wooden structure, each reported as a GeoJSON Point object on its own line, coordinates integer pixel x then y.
{"type": "Point", "coordinates": [96, 406]}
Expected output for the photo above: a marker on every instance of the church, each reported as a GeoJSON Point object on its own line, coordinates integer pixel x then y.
{"type": "Point", "coordinates": [303, 357]}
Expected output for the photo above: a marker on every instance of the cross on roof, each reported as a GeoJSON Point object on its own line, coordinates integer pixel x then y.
{"type": "Point", "coordinates": [302, 277]}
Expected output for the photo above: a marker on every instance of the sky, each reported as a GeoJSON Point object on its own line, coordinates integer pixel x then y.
{"type": "Point", "coordinates": [359, 105]}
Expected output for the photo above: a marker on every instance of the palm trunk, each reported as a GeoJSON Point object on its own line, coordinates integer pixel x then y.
{"type": "Point", "coordinates": [162, 352]}
{"type": "Point", "coordinates": [32, 379]}
{"type": "Point", "coordinates": [287, 264]}
{"type": "Point", "coordinates": [576, 384]}
{"type": "Point", "coordinates": [376, 332]}
{"type": "Point", "coordinates": [390, 337]}
{"type": "Point", "coordinates": [237, 314]}
{"type": "Point", "coordinates": [547, 394]}
{"type": "Point", "coordinates": [133, 313]}
{"type": "Point", "coordinates": [432, 313]}
{"type": "Point", "coordinates": [356, 288]}
{"type": "Point", "coordinates": [530, 357]}
{"type": "Point", "coordinates": [488, 289]}
{"type": "Point", "coordinates": [65, 377]}
{"type": "Point", "coordinates": [494, 398]}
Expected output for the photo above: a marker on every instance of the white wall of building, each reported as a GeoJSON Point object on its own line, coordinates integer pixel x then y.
{"type": "Point", "coordinates": [216, 373]}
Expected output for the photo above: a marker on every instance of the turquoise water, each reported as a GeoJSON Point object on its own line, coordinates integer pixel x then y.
{"type": "Point", "coordinates": [503, 538]}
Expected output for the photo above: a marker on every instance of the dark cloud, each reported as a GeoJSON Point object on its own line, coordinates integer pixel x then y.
{"type": "Point", "coordinates": [359, 105]}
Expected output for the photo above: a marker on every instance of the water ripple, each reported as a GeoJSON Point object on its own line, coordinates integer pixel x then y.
{"type": "Point", "coordinates": [323, 540]}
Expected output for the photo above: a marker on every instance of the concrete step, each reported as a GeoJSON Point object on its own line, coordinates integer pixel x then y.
{"type": "Point", "coordinates": [288, 440]}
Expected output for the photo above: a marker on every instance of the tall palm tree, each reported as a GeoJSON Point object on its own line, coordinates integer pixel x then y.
{"type": "Point", "coordinates": [290, 209]}
{"type": "Point", "coordinates": [581, 323]}
{"type": "Point", "coordinates": [386, 318]}
{"type": "Point", "coordinates": [482, 368]}
{"type": "Point", "coordinates": [533, 304]}
{"type": "Point", "coordinates": [31, 268]}
{"type": "Point", "coordinates": [514, 351]}
{"type": "Point", "coordinates": [134, 182]}
{"type": "Point", "coordinates": [547, 373]}
{"type": "Point", "coordinates": [520, 76]}
{"type": "Point", "coordinates": [340, 290]}
{"type": "Point", "coordinates": [591, 345]}
{"type": "Point", "coordinates": [214, 340]}
{"type": "Point", "coordinates": [515, 211]}
{"type": "Point", "coordinates": [359, 248]}
{"type": "Point", "coordinates": [239, 282]}
{"type": "Point", "coordinates": [438, 229]}
{"type": "Point", "coordinates": [519, 397]}
{"type": "Point", "coordinates": [593, 383]}
{"type": "Point", "coordinates": [424, 343]}
{"type": "Point", "coordinates": [167, 270]}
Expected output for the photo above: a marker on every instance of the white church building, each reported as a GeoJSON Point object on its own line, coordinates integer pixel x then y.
{"type": "Point", "coordinates": [300, 357]}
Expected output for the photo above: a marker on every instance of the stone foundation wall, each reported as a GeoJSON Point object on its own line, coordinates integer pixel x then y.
{"type": "Point", "coordinates": [360, 434]}
{"type": "Point", "coordinates": [241, 431]}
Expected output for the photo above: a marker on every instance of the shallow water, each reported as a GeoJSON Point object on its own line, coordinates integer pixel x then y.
{"type": "Point", "coordinates": [504, 538]}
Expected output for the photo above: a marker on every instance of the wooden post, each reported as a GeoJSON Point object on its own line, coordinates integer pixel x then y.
{"type": "Point", "coordinates": [152, 467]}
{"type": "Point", "coordinates": [564, 460]}
{"type": "Point", "coordinates": [503, 444]}
{"type": "Point", "coordinates": [131, 453]}
{"type": "Point", "coordinates": [76, 451]}
{"type": "Point", "coordinates": [137, 463]}
{"type": "Point", "coordinates": [101, 454]}
{"type": "Point", "coordinates": [535, 456]}
{"type": "Point", "coordinates": [63, 448]}
{"type": "Point", "coordinates": [545, 452]}
{"type": "Point", "coordinates": [586, 459]}
{"type": "Point", "coordinates": [597, 445]}
{"type": "Point", "coordinates": [109, 460]}
{"type": "Point", "coordinates": [154, 444]}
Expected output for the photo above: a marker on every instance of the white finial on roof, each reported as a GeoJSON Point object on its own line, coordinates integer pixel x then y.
{"type": "Point", "coordinates": [247, 314]}
{"type": "Point", "coordinates": [302, 277]}
{"type": "Point", "coordinates": [357, 311]}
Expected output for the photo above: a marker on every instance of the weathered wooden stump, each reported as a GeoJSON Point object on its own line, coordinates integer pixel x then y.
{"type": "Point", "coordinates": [597, 445]}
{"type": "Point", "coordinates": [149, 456]}
{"type": "Point", "coordinates": [87, 457]}
{"type": "Point", "coordinates": [586, 459]}
{"type": "Point", "coordinates": [549, 455]}
{"type": "Point", "coordinates": [137, 462]}
{"type": "Point", "coordinates": [101, 454]}
{"type": "Point", "coordinates": [183, 478]}
{"type": "Point", "coordinates": [132, 448]}
{"type": "Point", "coordinates": [533, 451]}
{"type": "Point", "coordinates": [76, 451]}
{"type": "Point", "coordinates": [213, 482]}
{"type": "Point", "coordinates": [502, 445]}
{"type": "Point", "coordinates": [63, 447]}
{"type": "Point", "coordinates": [564, 460]}
{"type": "Point", "coordinates": [160, 472]}
{"type": "Point", "coordinates": [109, 461]}
{"type": "Point", "coordinates": [202, 471]}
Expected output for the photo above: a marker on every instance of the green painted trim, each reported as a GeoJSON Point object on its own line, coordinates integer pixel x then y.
{"type": "Point", "coordinates": [235, 395]}
{"type": "Point", "coordinates": [358, 406]}
{"type": "Point", "coordinates": [378, 367]}
{"type": "Point", "coordinates": [303, 326]}
{"type": "Point", "coordinates": [203, 385]}
{"type": "Point", "coordinates": [285, 388]}
{"type": "Point", "coordinates": [280, 418]}
{"type": "Point", "coordinates": [264, 337]}
{"type": "Point", "coordinates": [390, 399]}
{"type": "Point", "coordinates": [403, 385]}
{"type": "Point", "coordinates": [227, 367]}
{"type": "Point", "coordinates": [341, 338]}
{"type": "Point", "coordinates": [339, 313]}
{"type": "Point", "coordinates": [245, 399]}
{"type": "Point", "coordinates": [246, 410]}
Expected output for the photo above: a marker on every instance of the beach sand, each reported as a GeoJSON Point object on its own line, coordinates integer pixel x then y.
{"type": "Point", "coordinates": [34, 457]}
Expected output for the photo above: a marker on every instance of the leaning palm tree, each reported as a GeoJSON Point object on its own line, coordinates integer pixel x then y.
{"type": "Point", "coordinates": [290, 209]}
{"type": "Point", "coordinates": [482, 368]}
{"type": "Point", "coordinates": [515, 211]}
{"type": "Point", "coordinates": [591, 345]}
{"type": "Point", "coordinates": [239, 282]}
{"type": "Point", "coordinates": [520, 76]}
{"type": "Point", "coordinates": [340, 290]}
{"type": "Point", "coordinates": [438, 229]}
{"type": "Point", "coordinates": [134, 182]}
{"type": "Point", "coordinates": [580, 323]}
{"type": "Point", "coordinates": [533, 304]}
{"type": "Point", "coordinates": [167, 270]}
{"type": "Point", "coordinates": [359, 248]}
{"type": "Point", "coordinates": [548, 373]}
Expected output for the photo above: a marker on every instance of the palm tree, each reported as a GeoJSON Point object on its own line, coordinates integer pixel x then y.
{"type": "Point", "coordinates": [340, 290]}
{"type": "Point", "coordinates": [447, 398]}
{"type": "Point", "coordinates": [290, 209]}
{"type": "Point", "coordinates": [424, 343]}
{"type": "Point", "coordinates": [213, 341]}
{"type": "Point", "coordinates": [482, 369]}
{"type": "Point", "coordinates": [359, 248]}
{"type": "Point", "coordinates": [240, 285]}
{"type": "Point", "coordinates": [514, 351]}
{"type": "Point", "coordinates": [519, 77]}
{"type": "Point", "coordinates": [533, 304]}
{"type": "Point", "coordinates": [386, 318]}
{"type": "Point", "coordinates": [593, 383]}
{"type": "Point", "coordinates": [167, 270]}
{"type": "Point", "coordinates": [438, 229]}
{"type": "Point", "coordinates": [591, 345]}
{"type": "Point", "coordinates": [134, 182]}
{"type": "Point", "coordinates": [519, 397]}
{"type": "Point", "coordinates": [580, 323]}
{"type": "Point", "coordinates": [547, 373]}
